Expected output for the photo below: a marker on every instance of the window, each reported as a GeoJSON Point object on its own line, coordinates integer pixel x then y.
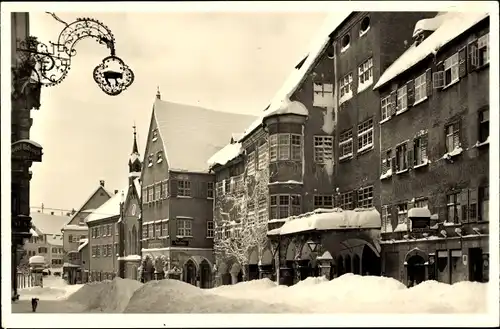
{"type": "Point", "coordinates": [401, 158]}
{"type": "Point", "coordinates": [346, 87]}
{"type": "Point", "coordinates": [150, 193]}
{"type": "Point", "coordinates": [116, 251]}
{"type": "Point", "coordinates": [94, 251]}
{"type": "Point", "coordinates": [145, 231]}
{"type": "Point", "coordinates": [346, 40]}
{"type": "Point", "coordinates": [227, 186]}
{"type": "Point", "coordinates": [251, 164]}
{"type": "Point", "coordinates": [55, 250]}
{"type": "Point", "coordinates": [365, 197]}
{"type": "Point", "coordinates": [151, 231]}
{"type": "Point", "coordinates": [105, 251]}
{"type": "Point", "coordinates": [484, 202]}
{"type": "Point", "coordinates": [110, 249]}
{"type": "Point", "coordinates": [273, 148]}
{"type": "Point", "coordinates": [323, 201]}
{"type": "Point", "coordinates": [184, 227]}
{"type": "Point", "coordinates": [386, 162]}
{"type": "Point", "coordinates": [263, 156]}
{"type": "Point", "coordinates": [158, 192]}
{"type": "Point", "coordinates": [365, 73]}
{"type": "Point", "coordinates": [210, 229]}
{"type": "Point", "coordinates": [98, 251]}
{"type": "Point", "coordinates": [184, 188]}
{"type": "Point", "coordinates": [453, 208]}
{"type": "Point", "coordinates": [284, 205]}
{"type": "Point", "coordinates": [283, 147]}
{"type": "Point", "coordinates": [484, 125]}
{"type": "Point", "coordinates": [479, 51]}
{"type": "Point", "coordinates": [386, 220]}
{"type": "Point", "coordinates": [420, 88]}
{"type": "Point", "coordinates": [219, 188]}
{"type": "Point", "coordinates": [165, 189]}
{"type": "Point", "coordinates": [451, 69]}
{"type": "Point", "coordinates": [262, 212]}
{"type": "Point", "coordinates": [452, 137]}
{"type": "Point", "coordinates": [345, 144]}
{"type": "Point", "coordinates": [155, 135]}
{"type": "Point", "coordinates": [296, 147]}
{"type": "Point", "coordinates": [422, 203]}
{"type": "Point", "coordinates": [210, 190]}
{"type": "Point", "coordinates": [70, 238]}
{"type": "Point", "coordinates": [346, 201]}
{"type": "Point", "coordinates": [365, 135]}
{"type": "Point", "coordinates": [323, 149]}
{"type": "Point", "coordinates": [322, 94]}
{"type": "Point", "coordinates": [164, 229]}
{"type": "Point", "coordinates": [365, 26]}
{"type": "Point", "coordinates": [385, 108]}
{"type": "Point", "coordinates": [42, 250]}
{"type": "Point", "coordinates": [402, 100]}
{"type": "Point", "coordinates": [157, 230]}
{"type": "Point", "coordinates": [117, 229]}
{"type": "Point", "coordinates": [403, 214]}
{"type": "Point", "coordinates": [159, 156]}
{"type": "Point", "coordinates": [150, 160]}
{"type": "Point", "coordinates": [420, 150]}
{"type": "Point", "coordinates": [145, 194]}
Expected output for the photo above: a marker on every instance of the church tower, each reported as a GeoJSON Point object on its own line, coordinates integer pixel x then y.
{"type": "Point", "coordinates": [134, 162]}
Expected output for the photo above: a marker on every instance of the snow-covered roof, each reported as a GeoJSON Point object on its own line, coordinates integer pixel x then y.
{"type": "Point", "coordinates": [429, 24]}
{"type": "Point", "coordinates": [55, 240]}
{"type": "Point", "coordinates": [75, 227]}
{"type": "Point", "coordinates": [447, 27]}
{"type": "Point", "coordinates": [206, 132]}
{"type": "Point", "coordinates": [33, 233]}
{"type": "Point", "coordinates": [81, 209]}
{"type": "Point", "coordinates": [419, 213]}
{"type": "Point", "coordinates": [37, 259]}
{"type": "Point", "coordinates": [331, 219]}
{"type": "Point", "coordinates": [226, 154]}
{"type": "Point", "coordinates": [83, 244]}
{"type": "Point", "coordinates": [47, 223]}
{"type": "Point", "coordinates": [109, 208]}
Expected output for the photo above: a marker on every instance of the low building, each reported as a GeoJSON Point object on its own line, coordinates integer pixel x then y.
{"type": "Point", "coordinates": [76, 230]}
{"type": "Point", "coordinates": [46, 239]}
{"type": "Point", "coordinates": [177, 189]}
{"type": "Point", "coordinates": [434, 128]}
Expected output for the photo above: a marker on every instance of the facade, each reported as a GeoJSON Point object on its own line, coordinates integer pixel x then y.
{"type": "Point", "coordinates": [46, 239]}
{"type": "Point", "coordinates": [25, 97]}
{"type": "Point", "coordinates": [434, 121]}
{"type": "Point", "coordinates": [103, 238]}
{"type": "Point", "coordinates": [315, 145]}
{"type": "Point", "coordinates": [177, 190]}
{"type": "Point", "coordinates": [76, 231]}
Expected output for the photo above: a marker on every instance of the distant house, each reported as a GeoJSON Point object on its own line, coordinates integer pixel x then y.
{"type": "Point", "coordinates": [178, 190]}
{"type": "Point", "coordinates": [46, 239]}
{"type": "Point", "coordinates": [76, 230]}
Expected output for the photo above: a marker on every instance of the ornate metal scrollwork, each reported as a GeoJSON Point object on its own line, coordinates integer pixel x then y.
{"type": "Point", "coordinates": [51, 64]}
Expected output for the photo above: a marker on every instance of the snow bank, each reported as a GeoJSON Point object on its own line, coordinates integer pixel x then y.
{"type": "Point", "coordinates": [452, 25]}
{"type": "Point", "coordinates": [330, 219]}
{"type": "Point", "coordinates": [106, 296]}
{"type": "Point", "coordinates": [54, 288]}
{"type": "Point", "coordinates": [173, 296]}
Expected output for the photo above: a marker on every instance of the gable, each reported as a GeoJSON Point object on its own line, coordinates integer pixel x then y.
{"type": "Point", "coordinates": [152, 147]}
{"type": "Point", "coordinates": [96, 199]}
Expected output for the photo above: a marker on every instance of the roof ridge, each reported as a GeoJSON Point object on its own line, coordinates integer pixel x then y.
{"type": "Point", "coordinates": [204, 108]}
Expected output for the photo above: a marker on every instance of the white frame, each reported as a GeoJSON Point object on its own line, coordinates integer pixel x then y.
{"type": "Point", "coordinates": [453, 136]}
{"type": "Point", "coordinates": [387, 161]}
{"type": "Point", "coordinates": [284, 143]}
{"type": "Point", "coordinates": [385, 108]}
{"type": "Point", "coordinates": [157, 227]}
{"type": "Point", "coordinates": [263, 156]}
{"type": "Point", "coordinates": [363, 69]}
{"type": "Point", "coordinates": [150, 193]}
{"type": "Point", "coordinates": [482, 121]}
{"type": "Point", "coordinates": [420, 87]}
{"type": "Point", "coordinates": [365, 131]}
{"type": "Point", "coordinates": [186, 188]}
{"type": "Point", "coordinates": [184, 228]}
{"type": "Point", "coordinates": [402, 96]}
{"type": "Point", "coordinates": [403, 213]}
{"type": "Point", "coordinates": [321, 197]}
{"type": "Point", "coordinates": [159, 156]}
{"type": "Point", "coordinates": [273, 148]}
{"type": "Point", "coordinates": [262, 210]}
{"type": "Point", "coordinates": [347, 141]}
{"type": "Point", "coordinates": [363, 198]}
{"type": "Point", "coordinates": [418, 154]}
{"type": "Point", "coordinates": [451, 63]}
{"type": "Point", "coordinates": [483, 42]}
{"type": "Point", "coordinates": [457, 211]}
{"type": "Point", "coordinates": [402, 156]}
{"type": "Point", "coordinates": [296, 147]}
{"type": "Point", "coordinates": [158, 190]}
{"type": "Point", "coordinates": [346, 196]}
{"type": "Point", "coordinates": [345, 85]}
{"type": "Point", "coordinates": [323, 148]}
{"type": "Point", "coordinates": [251, 164]}
{"type": "Point", "coordinates": [210, 187]}
{"type": "Point", "coordinates": [164, 229]}
{"type": "Point", "coordinates": [210, 231]}
{"type": "Point", "coordinates": [386, 217]}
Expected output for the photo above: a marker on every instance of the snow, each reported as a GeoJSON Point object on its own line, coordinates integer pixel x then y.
{"type": "Point", "coordinates": [365, 84]}
{"type": "Point", "coordinates": [347, 96]}
{"type": "Point", "coordinates": [419, 213]}
{"type": "Point", "coordinates": [73, 227]}
{"type": "Point", "coordinates": [387, 174]}
{"type": "Point", "coordinates": [331, 219]}
{"type": "Point", "coordinates": [288, 107]}
{"type": "Point", "coordinates": [37, 260]}
{"type": "Point", "coordinates": [478, 143]}
{"type": "Point", "coordinates": [456, 151]}
{"type": "Point", "coordinates": [29, 141]}
{"type": "Point", "coordinates": [428, 24]}
{"type": "Point", "coordinates": [109, 208]}
{"type": "Point", "coordinates": [226, 154]}
{"type": "Point", "coordinates": [344, 49]}
{"type": "Point", "coordinates": [54, 288]}
{"type": "Point", "coordinates": [130, 258]}
{"type": "Point", "coordinates": [450, 224]}
{"type": "Point", "coordinates": [402, 227]}
{"type": "Point", "coordinates": [83, 244]}
{"type": "Point", "coordinates": [452, 25]}
{"type": "Point", "coordinates": [33, 233]}
{"type": "Point", "coordinates": [286, 182]}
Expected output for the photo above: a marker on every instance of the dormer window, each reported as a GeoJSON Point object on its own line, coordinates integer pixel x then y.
{"type": "Point", "coordinates": [155, 135]}
{"type": "Point", "coordinates": [365, 26]}
{"type": "Point", "coordinates": [159, 156]}
{"type": "Point", "coordinates": [150, 160]}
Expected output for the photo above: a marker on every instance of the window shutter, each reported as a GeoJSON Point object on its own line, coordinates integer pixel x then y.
{"type": "Point", "coordinates": [473, 54]}
{"type": "Point", "coordinates": [464, 204]}
{"type": "Point", "coordinates": [428, 82]}
{"type": "Point", "coordinates": [462, 62]}
{"type": "Point", "coordinates": [473, 205]}
{"type": "Point", "coordinates": [423, 146]}
{"type": "Point", "coordinates": [410, 92]}
{"type": "Point", "coordinates": [355, 199]}
{"type": "Point", "coordinates": [394, 102]}
{"type": "Point", "coordinates": [394, 166]}
{"type": "Point", "coordinates": [173, 187]}
{"type": "Point", "coordinates": [438, 76]}
{"type": "Point", "coordinates": [409, 154]}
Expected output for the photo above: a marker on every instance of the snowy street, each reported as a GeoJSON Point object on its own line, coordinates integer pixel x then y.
{"type": "Point", "coordinates": [347, 294]}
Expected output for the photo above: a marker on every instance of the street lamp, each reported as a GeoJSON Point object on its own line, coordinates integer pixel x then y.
{"type": "Point", "coordinates": [51, 64]}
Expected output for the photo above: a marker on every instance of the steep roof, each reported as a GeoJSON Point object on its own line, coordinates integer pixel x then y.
{"type": "Point", "coordinates": [47, 223]}
{"type": "Point", "coordinates": [79, 210]}
{"type": "Point", "coordinates": [109, 208]}
{"type": "Point", "coordinates": [55, 240]}
{"type": "Point", "coordinates": [446, 28]}
{"type": "Point", "coordinates": [192, 134]}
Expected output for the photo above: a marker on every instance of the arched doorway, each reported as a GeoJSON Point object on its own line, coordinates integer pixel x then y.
{"type": "Point", "coordinates": [340, 266]}
{"type": "Point", "coordinates": [189, 272]}
{"type": "Point", "coordinates": [348, 264]}
{"type": "Point", "coordinates": [267, 265]}
{"type": "Point", "coordinates": [416, 270]}
{"type": "Point", "coordinates": [308, 266]}
{"type": "Point", "coordinates": [370, 262]}
{"type": "Point", "coordinates": [356, 266]}
{"type": "Point", "coordinates": [205, 274]}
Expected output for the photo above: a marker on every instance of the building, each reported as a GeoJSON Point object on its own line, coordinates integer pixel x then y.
{"type": "Point", "coordinates": [129, 241]}
{"type": "Point", "coordinates": [25, 96]}
{"type": "Point", "coordinates": [316, 144]}
{"type": "Point", "coordinates": [177, 189]}
{"type": "Point", "coordinates": [434, 121]}
{"type": "Point", "coordinates": [76, 231]}
{"type": "Point", "coordinates": [103, 239]}
{"type": "Point", "coordinates": [46, 239]}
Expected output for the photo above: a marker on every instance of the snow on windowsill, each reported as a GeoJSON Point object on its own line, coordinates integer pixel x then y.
{"type": "Point", "coordinates": [486, 142]}
{"type": "Point", "coordinates": [277, 220]}
{"type": "Point", "coordinates": [402, 111]}
{"type": "Point", "coordinates": [385, 120]}
{"type": "Point", "coordinates": [345, 157]}
{"type": "Point", "coordinates": [365, 148]}
{"type": "Point", "coordinates": [150, 164]}
{"type": "Point", "coordinates": [401, 171]}
{"type": "Point", "coordinates": [450, 84]}
{"type": "Point", "coordinates": [345, 98]}
{"type": "Point", "coordinates": [155, 139]}
{"type": "Point", "coordinates": [344, 49]}
{"type": "Point", "coordinates": [184, 197]}
{"type": "Point", "coordinates": [456, 151]}
{"type": "Point", "coordinates": [450, 224]}
{"type": "Point", "coordinates": [423, 164]}
{"type": "Point", "coordinates": [361, 33]}
{"type": "Point", "coordinates": [287, 182]}
{"type": "Point", "coordinates": [129, 257]}
{"type": "Point", "coordinates": [387, 174]}
{"type": "Point", "coordinates": [159, 161]}
{"type": "Point", "coordinates": [363, 86]}
{"type": "Point", "coordinates": [421, 100]}
{"type": "Point", "coordinates": [184, 236]}
{"type": "Point", "coordinates": [403, 227]}
{"type": "Point", "coordinates": [388, 229]}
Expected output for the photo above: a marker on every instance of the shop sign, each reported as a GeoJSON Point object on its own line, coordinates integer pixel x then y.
{"type": "Point", "coordinates": [26, 151]}
{"type": "Point", "coordinates": [180, 243]}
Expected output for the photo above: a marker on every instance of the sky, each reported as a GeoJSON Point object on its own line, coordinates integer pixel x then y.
{"type": "Point", "coordinates": [233, 62]}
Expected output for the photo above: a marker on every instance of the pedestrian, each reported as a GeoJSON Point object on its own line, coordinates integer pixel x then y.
{"type": "Point", "coordinates": [34, 304]}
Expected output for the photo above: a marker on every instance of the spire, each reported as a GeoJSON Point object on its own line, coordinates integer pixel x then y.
{"type": "Point", "coordinates": [158, 95]}
{"type": "Point", "coordinates": [135, 149]}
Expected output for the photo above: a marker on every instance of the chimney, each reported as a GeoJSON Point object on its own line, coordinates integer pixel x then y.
{"type": "Point", "coordinates": [116, 191]}
{"type": "Point", "coordinates": [101, 182]}
{"type": "Point", "coordinates": [52, 213]}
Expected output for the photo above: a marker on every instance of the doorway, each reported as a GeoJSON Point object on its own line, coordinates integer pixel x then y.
{"type": "Point", "coordinates": [190, 272]}
{"type": "Point", "coordinates": [416, 270]}
{"type": "Point", "coordinates": [476, 264]}
{"type": "Point", "coordinates": [371, 264]}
